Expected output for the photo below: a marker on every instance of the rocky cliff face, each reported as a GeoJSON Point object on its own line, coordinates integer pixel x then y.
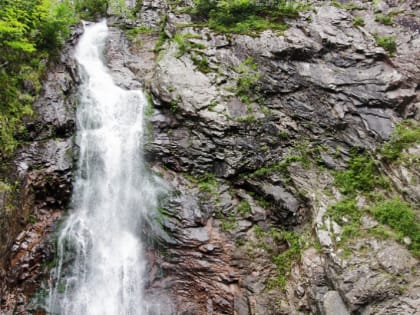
{"type": "Point", "coordinates": [39, 187]}
{"type": "Point", "coordinates": [249, 148]}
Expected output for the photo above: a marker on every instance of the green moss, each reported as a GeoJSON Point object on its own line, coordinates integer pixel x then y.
{"type": "Point", "coordinates": [379, 232]}
{"type": "Point", "coordinates": [212, 105]}
{"type": "Point", "coordinates": [5, 187]}
{"type": "Point", "coordinates": [350, 231]}
{"type": "Point", "coordinates": [348, 215]}
{"type": "Point", "coordinates": [148, 109]}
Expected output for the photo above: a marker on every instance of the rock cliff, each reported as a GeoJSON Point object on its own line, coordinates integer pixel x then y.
{"type": "Point", "coordinates": [250, 134]}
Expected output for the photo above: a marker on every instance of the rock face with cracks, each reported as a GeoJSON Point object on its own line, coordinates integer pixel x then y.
{"type": "Point", "coordinates": [245, 226]}
{"type": "Point", "coordinates": [41, 177]}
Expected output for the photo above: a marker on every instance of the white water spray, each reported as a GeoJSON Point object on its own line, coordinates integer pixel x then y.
{"type": "Point", "coordinates": [101, 264]}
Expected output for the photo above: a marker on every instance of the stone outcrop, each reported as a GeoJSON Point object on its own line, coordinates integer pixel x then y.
{"type": "Point", "coordinates": [41, 173]}
{"type": "Point", "coordinates": [241, 162]}
{"type": "Point", "coordinates": [245, 150]}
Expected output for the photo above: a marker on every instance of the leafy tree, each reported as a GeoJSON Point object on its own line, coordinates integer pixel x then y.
{"type": "Point", "coordinates": [30, 32]}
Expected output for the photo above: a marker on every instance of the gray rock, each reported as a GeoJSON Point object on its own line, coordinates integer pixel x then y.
{"type": "Point", "coordinates": [334, 305]}
{"type": "Point", "coordinates": [396, 260]}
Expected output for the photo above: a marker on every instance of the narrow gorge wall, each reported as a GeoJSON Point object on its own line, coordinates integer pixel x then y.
{"type": "Point", "coordinates": [249, 149]}
{"type": "Point", "coordinates": [39, 180]}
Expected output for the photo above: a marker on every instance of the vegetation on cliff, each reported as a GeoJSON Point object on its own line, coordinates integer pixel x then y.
{"type": "Point", "coordinates": [30, 33]}
{"type": "Point", "coordinates": [244, 16]}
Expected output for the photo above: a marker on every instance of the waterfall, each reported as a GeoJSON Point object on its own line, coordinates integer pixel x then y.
{"type": "Point", "coordinates": [101, 264]}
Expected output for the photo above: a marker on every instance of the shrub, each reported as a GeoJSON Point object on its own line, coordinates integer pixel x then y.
{"type": "Point", "coordinates": [284, 261]}
{"type": "Point", "coordinates": [387, 42]}
{"type": "Point", "coordinates": [401, 218]}
{"type": "Point", "coordinates": [244, 16]}
{"type": "Point", "coordinates": [184, 44]}
{"type": "Point", "coordinates": [344, 209]}
{"type": "Point", "coordinates": [247, 80]}
{"type": "Point", "coordinates": [384, 19]}
{"type": "Point", "coordinates": [404, 135]}
{"type": "Point", "coordinates": [361, 175]}
{"type": "Point", "coordinates": [202, 64]}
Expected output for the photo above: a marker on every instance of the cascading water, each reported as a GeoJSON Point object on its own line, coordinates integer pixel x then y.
{"type": "Point", "coordinates": [101, 264]}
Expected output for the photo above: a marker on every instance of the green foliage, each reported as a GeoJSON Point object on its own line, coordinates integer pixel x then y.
{"type": "Point", "coordinates": [285, 260]}
{"type": "Point", "coordinates": [360, 176]}
{"type": "Point", "coordinates": [228, 223]}
{"type": "Point", "coordinates": [202, 64]}
{"type": "Point", "coordinates": [246, 16]}
{"type": "Point", "coordinates": [246, 119]}
{"type": "Point", "coordinates": [30, 32]}
{"type": "Point", "coordinates": [133, 33]}
{"type": "Point", "coordinates": [387, 42]}
{"type": "Point", "coordinates": [91, 9]}
{"type": "Point", "coordinates": [387, 19]}
{"type": "Point", "coordinates": [148, 110]}
{"type": "Point", "coordinates": [405, 135]}
{"type": "Point", "coordinates": [119, 8]}
{"type": "Point", "coordinates": [347, 214]}
{"type": "Point", "coordinates": [281, 167]}
{"type": "Point", "coordinates": [398, 215]}
{"type": "Point", "coordinates": [384, 19]}
{"type": "Point", "coordinates": [244, 207]}
{"type": "Point", "coordinates": [137, 8]}
{"type": "Point", "coordinates": [246, 83]}
{"type": "Point", "coordinates": [162, 35]}
{"type": "Point", "coordinates": [358, 21]}
{"type": "Point", "coordinates": [345, 210]}
{"type": "Point", "coordinates": [174, 106]}
{"type": "Point", "coordinates": [206, 182]}
{"type": "Point", "coordinates": [184, 44]}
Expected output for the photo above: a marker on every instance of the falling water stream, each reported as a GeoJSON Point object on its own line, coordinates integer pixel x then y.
{"type": "Point", "coordinates": [101, 262]}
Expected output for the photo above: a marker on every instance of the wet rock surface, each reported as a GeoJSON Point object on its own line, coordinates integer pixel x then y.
{"type": "Point", "coordinates": [241, 168]}
{"type": "Point", "coordinates": [42, 174]}
{"type": "Point", "coordinates": [324, 88]}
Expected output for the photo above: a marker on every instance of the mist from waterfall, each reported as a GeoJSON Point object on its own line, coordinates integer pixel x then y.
{"type": "Point", "coordinates": [101, 260]}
